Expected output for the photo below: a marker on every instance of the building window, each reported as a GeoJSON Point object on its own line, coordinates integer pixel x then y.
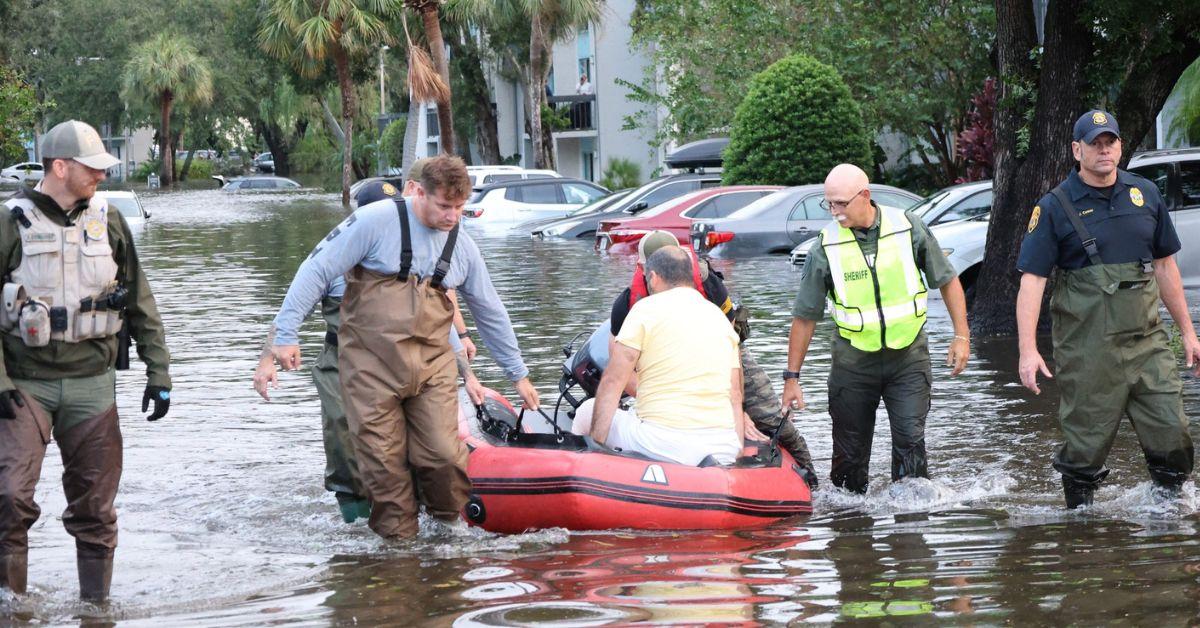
{"type": "Point", "coordinates": [431, 121]}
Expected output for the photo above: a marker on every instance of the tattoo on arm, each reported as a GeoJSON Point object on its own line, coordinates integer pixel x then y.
{"type": "Point", "coordinates": [266, 350]}
{"type": "Point", "coordinates": [464, 367]}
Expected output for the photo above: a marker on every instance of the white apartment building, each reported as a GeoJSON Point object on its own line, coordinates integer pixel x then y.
{"type": "Point", "coordinates": [604, 54]}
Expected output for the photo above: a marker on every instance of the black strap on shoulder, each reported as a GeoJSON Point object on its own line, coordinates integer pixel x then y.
{"type": "Point", "coordinates": [443, 264]}
{"type": "Point", "coordinates": [1089, 242]}
{"type": "Point", "coordinates": [406, 253]}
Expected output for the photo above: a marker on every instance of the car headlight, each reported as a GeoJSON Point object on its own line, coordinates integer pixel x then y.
{"type": "Point", "coordinates": [553, 231]}
{"type": "Point", "coordinates": [947, 252]}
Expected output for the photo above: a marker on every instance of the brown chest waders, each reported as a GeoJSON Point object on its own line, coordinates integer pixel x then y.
{"type": "Point", "coordinates": [398, 387]}
{"type": "Point", "coordinates": [1112, 359]}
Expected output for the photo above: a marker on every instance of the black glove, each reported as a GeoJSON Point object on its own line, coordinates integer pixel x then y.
{"type": "Point", "coordinates": [162, 402]}
{"type": "Point", "coordinates": [10, 400]}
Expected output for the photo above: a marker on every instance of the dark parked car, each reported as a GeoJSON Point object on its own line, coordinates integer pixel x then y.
{"type": "Point", "coordinates": [645, 197]}
{"type": "Point", "coordinates": [694, 156]}
{"type": "Point", "coordinates": [601, 204]}
{"type": "Point", "coordinates": [778, 222]}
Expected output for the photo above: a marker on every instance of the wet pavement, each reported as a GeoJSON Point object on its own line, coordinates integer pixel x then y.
{"type": "Point", "coordinates": [224, 520]}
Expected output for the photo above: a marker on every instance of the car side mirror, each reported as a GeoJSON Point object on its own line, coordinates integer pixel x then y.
{"type": "Point", "coordinates": [147, 215]}
{"type": "Point", "coordinates": [638, 206]}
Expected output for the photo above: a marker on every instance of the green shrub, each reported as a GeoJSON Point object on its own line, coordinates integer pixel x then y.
{"type": "Point", "coordinates": [797, 121]}
{"type": "Point", "coordinates": [200, 170]}
{"type": "Point", "coordinates": [620, 174]}
{"type": "Point", "coordinates": [315, 153]}
{"type": "Point", "coordinates": [146, 168]}
{"type": "Point", "coordinates": [393, 141]}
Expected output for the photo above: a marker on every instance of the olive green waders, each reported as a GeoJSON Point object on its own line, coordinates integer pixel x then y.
{"type": "Point", "coordinates": [341, 469]}
{"type": "Point", "coordinates": [81, 415]}
{"type": "Point", "coordinates": [1113, 359]}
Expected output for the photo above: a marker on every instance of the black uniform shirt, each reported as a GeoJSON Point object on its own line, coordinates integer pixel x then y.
{"type": "Point", "coordinates": [1129, 221]}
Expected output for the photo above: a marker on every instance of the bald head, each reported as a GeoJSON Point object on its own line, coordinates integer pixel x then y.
{"type": "Point", "coordinates": [848, 198]}
{"type": "Point", "coordinates": [844, 180]}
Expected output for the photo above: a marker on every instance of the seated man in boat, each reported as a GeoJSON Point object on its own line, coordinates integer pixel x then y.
{"type": "Point", "coordinates": [759, 401]}
{"type": "Point", "coordinates": [689, 374]}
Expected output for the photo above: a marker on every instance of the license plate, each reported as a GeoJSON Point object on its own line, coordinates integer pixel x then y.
{"type": "Point", "coordinates": [696, 244]}
{"type": "Point", "coordinates": [602, 243]}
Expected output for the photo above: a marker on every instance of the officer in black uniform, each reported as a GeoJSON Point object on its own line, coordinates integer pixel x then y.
{"type": "Point", "coordinates": [1109, 234]}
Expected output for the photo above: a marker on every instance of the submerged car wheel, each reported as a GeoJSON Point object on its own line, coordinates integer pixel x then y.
{"type": "Point", "coordinates": [475, 511]}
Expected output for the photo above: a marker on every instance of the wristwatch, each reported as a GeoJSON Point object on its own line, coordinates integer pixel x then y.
{"type": "Point", "coordinates": [791, 375]}
{"type": "Point", "coordinates": [464, 334]}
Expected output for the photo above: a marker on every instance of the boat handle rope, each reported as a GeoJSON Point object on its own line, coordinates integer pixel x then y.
{"type": "Point", "coordinates": [786, 416]}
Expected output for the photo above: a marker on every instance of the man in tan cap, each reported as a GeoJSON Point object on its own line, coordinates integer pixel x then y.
{"type": "Point", "coordinates": [759, 401]}
{"type": "Point", "coordinates": [72, 280]}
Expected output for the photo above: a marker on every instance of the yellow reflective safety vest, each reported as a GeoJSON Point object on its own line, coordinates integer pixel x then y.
{"type": "Point", "coordinates": [881, 302]}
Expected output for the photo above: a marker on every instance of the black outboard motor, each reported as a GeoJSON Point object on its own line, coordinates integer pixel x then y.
{"type": "Point", "coordinates": [584, 367]}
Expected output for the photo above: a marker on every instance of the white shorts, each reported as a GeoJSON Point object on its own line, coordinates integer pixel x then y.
{"type": "Point", "coordinates": [668, 444]}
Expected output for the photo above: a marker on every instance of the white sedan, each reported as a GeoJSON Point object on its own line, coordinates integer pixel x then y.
{"type": "Point", "coordinates": [128, 204]}
{"type": "Point", "coordinates": [24, 171]}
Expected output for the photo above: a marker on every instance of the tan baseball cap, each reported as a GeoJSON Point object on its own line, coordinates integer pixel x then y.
{"type": "Point", "coordinates": [417, 169]}
{"type": "Point", "coordinates": [654, 241]}
{"type": "Point", "coordinates": [79, 141]}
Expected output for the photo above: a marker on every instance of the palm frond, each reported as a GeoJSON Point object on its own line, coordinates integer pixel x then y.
{"type": "Point", "coordinates": [424, 82]}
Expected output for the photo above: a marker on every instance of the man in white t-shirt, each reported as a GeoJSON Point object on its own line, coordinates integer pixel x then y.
{"type": "Point", "coordinates": [689, 375]}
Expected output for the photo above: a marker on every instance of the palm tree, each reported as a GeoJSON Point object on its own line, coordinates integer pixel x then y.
{"type": "Point", "coordinates": [311, 32]}
{"type": "Point", "coordinates": [550, 22]}
{"type": "Point", "coordinates": [167, 70]}
{"type": "Point", "coordinates": [428, 10]}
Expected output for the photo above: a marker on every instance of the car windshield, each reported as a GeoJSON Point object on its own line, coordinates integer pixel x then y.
{"type": "Point", "coordinates": [922, 209]}
{"type": "Point", "coordinates": [671, 204]}
{"type": "Point", "coordinates": [599, 204]}
{"type": "Point", "coordinates": [127, 206]}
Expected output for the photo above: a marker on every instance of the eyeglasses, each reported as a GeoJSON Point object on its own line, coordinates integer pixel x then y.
{"type": "Point", "coordinates": [829, 205]}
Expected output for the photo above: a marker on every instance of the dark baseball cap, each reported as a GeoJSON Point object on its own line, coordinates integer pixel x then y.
{"type": "Point", "coordinates": [1090, 125]}
{"type": "Point", "coordinates": [376, 191]}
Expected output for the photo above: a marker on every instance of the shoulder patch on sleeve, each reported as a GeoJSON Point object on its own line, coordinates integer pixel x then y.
{"type": "Point", "coordinates": [1033, 218]}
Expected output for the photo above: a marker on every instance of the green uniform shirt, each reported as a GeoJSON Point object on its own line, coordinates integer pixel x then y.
{"type": "Point", "coordinates": [59, 360]}
{"type": "Point", "coordinates": [816, 283]}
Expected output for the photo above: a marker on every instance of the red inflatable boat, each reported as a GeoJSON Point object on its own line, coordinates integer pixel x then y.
{"type": "Point", "coordinates": [531, 473]}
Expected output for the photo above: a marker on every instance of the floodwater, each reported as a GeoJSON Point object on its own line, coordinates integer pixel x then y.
{"type": "Point", "coordinates": [224, 520]}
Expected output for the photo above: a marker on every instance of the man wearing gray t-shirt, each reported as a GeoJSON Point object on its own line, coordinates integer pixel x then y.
{"type": "Point", "coordinates": [397, 368]}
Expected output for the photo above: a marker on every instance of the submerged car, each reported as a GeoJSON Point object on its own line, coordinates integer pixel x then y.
{"type": "Point", "coordinates": [640, 199]}
{"type": "Point", "coordinates": [778, 222]}
{"type": "Point", "coordinates": [530, 199]}
{"type": "Point", "coordinates": [676, 215]}
{"type": "Point", "coordinates": [604, 203]}
{"type": "Point", "coordinates": [128, 204]}
{"type": "Point", "coordinates": [260, 184]}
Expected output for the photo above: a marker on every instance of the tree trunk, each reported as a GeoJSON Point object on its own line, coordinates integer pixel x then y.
{"type": "Point", "coordinates": [187, 164]}
{"type": "Point", "coordinates": [539, 71]}
{"type": "Point", "coordinates": [166, 151]}
{"type": "Point", "coordinates": [341, 62]}
{"type": "Point", "coordinates": [1021, 179]}
{"type": "Point", "coordinates": [479, 94]}
{"type": "Point", "coordinates": [411, 126]}
{"type": "Point", "coordinates": [331, 122]}
{"type": "Point", "coordinates": [437, 51]}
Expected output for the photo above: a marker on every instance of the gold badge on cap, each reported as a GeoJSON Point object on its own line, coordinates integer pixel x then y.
{"type": "Point", "coordinates": [389, 189]}
{"type": "Point", "coordinates": [1099, 118]}
{"type": "Point", "coordinates": [1033, 219]}
{"type": "Point", "coordinates": [95, 229]}
{"type": "Point", "coordinates": [1135, 195]}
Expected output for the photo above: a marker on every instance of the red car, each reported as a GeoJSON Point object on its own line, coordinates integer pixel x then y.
{"type": "Point", "coordinates": [676, 215]}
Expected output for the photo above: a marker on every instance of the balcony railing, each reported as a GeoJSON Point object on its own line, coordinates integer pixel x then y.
{"type": "Point", "coordinates": [580, 111]}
